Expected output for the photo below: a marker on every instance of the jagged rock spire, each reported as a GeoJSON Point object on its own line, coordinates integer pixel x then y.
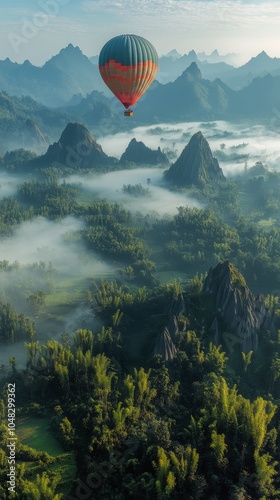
{"type": "Point", "coordinates": [236, 306]}
{"type": "Point", "coordinates": [196, 165]}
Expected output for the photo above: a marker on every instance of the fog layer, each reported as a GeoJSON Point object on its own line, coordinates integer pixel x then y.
{"type": "Point", "coordinates": [159, 199]}
{"type": "Point", "coordinates": [259, 142]}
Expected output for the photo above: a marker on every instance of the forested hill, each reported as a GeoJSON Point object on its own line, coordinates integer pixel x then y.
{"type": "Point", "coordinates": [16, 114]}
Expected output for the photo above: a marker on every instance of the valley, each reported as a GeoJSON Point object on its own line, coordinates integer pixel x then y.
{"type": "Point", "coordinates": [140, 282]}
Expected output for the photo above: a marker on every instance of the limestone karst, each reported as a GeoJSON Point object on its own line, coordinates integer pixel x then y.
{"type": "Point", "coordinates": [196, 165]}
{"type": "Point", "coordinates": [236, 308]}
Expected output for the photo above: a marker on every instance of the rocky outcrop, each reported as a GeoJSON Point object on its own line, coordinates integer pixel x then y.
{"type": "Point", "coordinates": [165, 342]}
{"type": "Point", "coordinates": [136, 152]}
{"type": "Point", "coordinates": [165, 346]}
{"type": "Point", "coordinates": [76, 149]}
{"type": "Point", "coordinates": [236, 307]}
{"type": "Point", "coordinates": [196, 165]}
{"type": "Point", "coordinates": [32, 137]}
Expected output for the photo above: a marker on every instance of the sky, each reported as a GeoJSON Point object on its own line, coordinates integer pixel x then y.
{"type": "Point", "coordinates": [38, 29]}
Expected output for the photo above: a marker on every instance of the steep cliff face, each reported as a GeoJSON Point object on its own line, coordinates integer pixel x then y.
{"type": "Point", "coordinates": [77, 149]}
{"type": "Point", "coordinates": [165, 342]}
{"type": "Point", "coordinates": [196, 165]}
{"type": "Point", "coordinates": [136, 152]}
{"type": "Point", "coordinates": [235, 305]}
{"type": "Point", "coordinates": [32, 137]}
{"type": "Point", "coordinates": [165, 346]}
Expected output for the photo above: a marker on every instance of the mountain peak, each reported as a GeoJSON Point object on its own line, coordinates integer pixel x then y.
{"type": "Point", "coordinates": [263, 54]}
{"type": "Point", "coordinates": [136, 152]}
{"type": "Point", "coordinates": [174, 54]}
{"type": "Point", "coordinates": [193, 70]}
{"type": "Point", "coordinates": [75, 133]}
{"type": "Point", "coordinates": [261, 57]}
{"type": "Point", "coordinates": [196, 165]}
{"type": "Point", "coordinates": [192, 53]}
{"type": "Point", "coordinates": [76, 149]}
{"type": "Point", "coordinates": [71, 48]}
{"type": "Point", "coordinates": [66, 55]}
{"type": "Point", "coordinates": [236, 306]}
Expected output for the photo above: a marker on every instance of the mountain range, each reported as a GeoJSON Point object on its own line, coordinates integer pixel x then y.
{"type": "Point", "coordinates": [70, 73]}
{"type": "Point", "coordinates": [71, 82]}
{"type": "Point", "coordinates": [173, 64]}
{"type": "Point", "coordinates": [77, 150]}
{"type": "Point", "coordinates": [191, 97]}
{"type": "Point", "coordinates": [16, 113]}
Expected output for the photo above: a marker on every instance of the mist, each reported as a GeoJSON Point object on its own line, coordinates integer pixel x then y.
{"type": "Point", "coordinates": [262, 143]}
{"type": "Point", "coordinates": [159, 199]}
{"type": "Point", "coordinates": [8, 184]}
{"type": "Point", "coordinates": [42, 254]}
{"type": "Point", "coordinates": [50, 241]}
{"type": "Point", "coordinates": [35, 244]}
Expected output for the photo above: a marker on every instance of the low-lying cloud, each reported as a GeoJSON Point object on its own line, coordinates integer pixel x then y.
{"type": "Point", "coordinates": [8, 185]}
{"type": "Point", "coordinates": [48, 241]}
{"type": "Point", "coordinates": [159, 199]}
{"type": "Point", "coordinates": [33, 245]}
{"type": "Point", "coordinates": [261, 142]}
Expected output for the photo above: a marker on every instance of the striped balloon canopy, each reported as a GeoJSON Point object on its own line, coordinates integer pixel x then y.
{"type": "Point", "coordinates": [128, 65]}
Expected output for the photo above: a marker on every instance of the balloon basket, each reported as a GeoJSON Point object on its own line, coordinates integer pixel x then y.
{"type": "Point", "coordinates": [128, 112]}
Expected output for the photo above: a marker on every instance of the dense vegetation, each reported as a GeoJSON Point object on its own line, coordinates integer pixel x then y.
{"type": "Point", "coordinates": [177, 430]}
{"type": "Point", "coordinates": [204, 425]}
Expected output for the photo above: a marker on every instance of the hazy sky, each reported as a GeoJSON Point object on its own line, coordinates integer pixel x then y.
{"type": "Point", "coordinates": [38, 29]}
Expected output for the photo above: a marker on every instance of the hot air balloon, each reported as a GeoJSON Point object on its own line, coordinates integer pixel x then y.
{"type": "Point", "coordinates": [128, 65]}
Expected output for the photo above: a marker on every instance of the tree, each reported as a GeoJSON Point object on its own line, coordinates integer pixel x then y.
{"type": "Point", "coordinates": [144, 392]}
{"type": "Point", "coordinates": [32, 350]}
{"type": "Point", "coordinates": [219, 446]}
{"type": "Point", "coordinates": [262, 413]}
{"type": "Point", "coordinates": [102, 377]}
{"type": "Point", "coordinates": [83, 339]}
{"type": "Point", "coordinates": [67, 433]}
{"type": "Point", "coordinates": [185, 463]}
{"type": "Point", "coordinates": [43, 488]}
{"type": "Point", "coordinates": [247, 358]}
{"type": "Point", "coordinates": [165, 479]}
{"type": "Point", "coordinates": [37, 301]}
{"type": "Point", "coordinates": [12, 362]}
{"type": "Point", "coordinates": [275, 371]}
{"type": "Point", "coordinates": [265, 472]}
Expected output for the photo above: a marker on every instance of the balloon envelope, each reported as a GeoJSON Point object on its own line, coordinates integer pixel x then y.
{"type": "Point", "coordinates": [128, 65]}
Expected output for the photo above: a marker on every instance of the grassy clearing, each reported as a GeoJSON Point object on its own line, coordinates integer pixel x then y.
{"type": "Point", "coordinates": [69, 291]}
{"type": "Point", "coordinates": [34, 432]}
